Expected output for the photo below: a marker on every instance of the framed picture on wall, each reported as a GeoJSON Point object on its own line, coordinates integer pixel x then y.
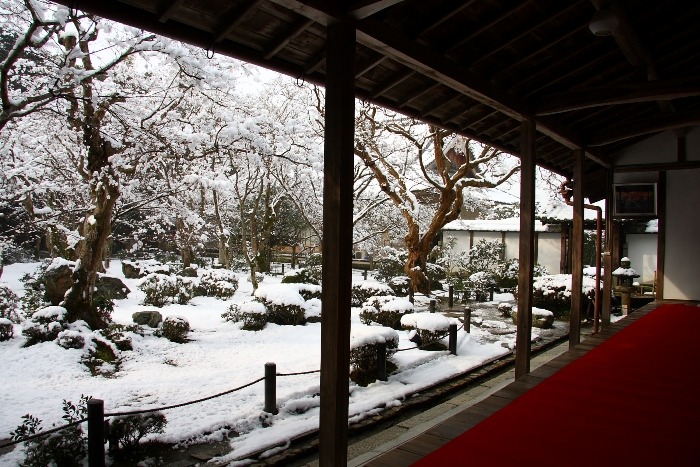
{"type": "Point", "coordinates": [634, 199]}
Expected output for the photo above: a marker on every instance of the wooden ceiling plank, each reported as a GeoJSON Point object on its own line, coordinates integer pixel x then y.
{"type": "Point", "coordinates": [645, 126]}
{"type": "Point", "coordinates": [361, 9]}
{"type": "Point", "coordinates": [619, 94]}
{"type": "Point", "coordinates": [418, 93]}
{"type": "Point", "coordinates": [167, 10]}
{"type": "Point", "coordinates": [437, 104]}
{"type": "Point", "coordinates": [362, 69]}
{"type": "Point", "coordinates": [300, 27]}
{"type": "Point", "coordinates": [315, 63]}
{"type": "Point", "coordinates": [392, 82]}
{"type": "Point", "coordinates": [487, 25]}
{"type": "Point", "coordinates": [240, 14]}
{"type": "Point", "coordinates": [444, 16]}
{"type": "Point", "coordinates": [547, 20]}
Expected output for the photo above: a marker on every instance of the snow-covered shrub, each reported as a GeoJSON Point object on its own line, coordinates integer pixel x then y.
{"type": "Point", "coordinates": [139, 269]}
{"type": "Point", "coordinates": [486, 256]}
{"type": "Point", "coordinates": [71, 339]}
{"type": "Point", "coordinates": [126, 431]}
{"type": "Point", "coordinates": [385, 311]}
{"type": "Point", "coordinates": [312, 310]}
{"type": "Point", "coordinates": [220, 283]}
{"type": "Point", "coordinates": [435, 274]}
{"type": "Point", "coordinates": [507, 276]}
{"type": "Point", "coordinates": [390, 263]}
{"type": "Point", "coordinates": [401, 285]}
{"type": "Point", "coordinates": [253, 315]}
{"type": "Point", "coordinates": [314, 264]}
{"type": "Point", "coordinates": [159, 289]}
{"type": "Point", "coordinates": [542, 319]}
{"type": "Point", "coordinates": [479, 285]}
{"type": "Point", "coordinates": [430, 328]}
{"type": "Point", "coordinates": [68, 447]}
{"type": "Point", "coordinates": [363, 351]}
{"type": "Point", "coordinates": [45, 325]}
{"type": "Point", "coordinates": [34, 296]}
{"type": "Point", "coordinates": [553, 292]}
{"type": "Point", "coordinates": [285, 303]}
{"type": "Point", "coordinates": [175, 329]}
{"type": "Point", "coordinates": [505, 309]}
{"type": "Point", "coordinates": [116, 333]}
{"type": "Point", "coordinates": [6, 329]}
{"type": "Point", "coordinates": [185, 289]}
{"type": "Point", "coordinates": [300, 276]}
{"type": "Point", "coordinates": [9, 304]}
{"type": "Point", "coordinates": [362, 291]}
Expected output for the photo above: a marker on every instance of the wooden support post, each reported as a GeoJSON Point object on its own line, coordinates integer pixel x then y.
{"type": "Point", "coordinates": [661, 236]}
{"type": "Point", "coordinates": [526, 247]}
{"type": "Point", "coordinates": [96, 432]}
{"type": "Point", "coordinates": [271, 388]}
{"type": "Point", "coordinates": [467, 319]}
{"type": "Point", "coordinates": [452, 342]}
{"type": "Point", "coordinates": [381, 362]}
{"type": "Point", "coordinates": [451, 296]}
{"type": "Point", "coordinates": [577, 253]}
{"type": "Point", "coordinates": [607, 255]}
{"type": "Point", "coordinates": [431, 307]}
{"type": "Point", "coordinates": [337, 244]}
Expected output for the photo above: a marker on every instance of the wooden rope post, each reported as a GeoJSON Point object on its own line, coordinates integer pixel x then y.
{"type": "Point", "coordinates": [96, 432]}
{"type": "Point", "coordinates": [451, 291]}
{"type": "Point", "coordinates": [453, 339]}
{"type": "Point", "coordinates": [381, 361]}
{"type": "Point", "coordinates": [271, 388]}
{"type": "Point", "coordinates": [467, 319]}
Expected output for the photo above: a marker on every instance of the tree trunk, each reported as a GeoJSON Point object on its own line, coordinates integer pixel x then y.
{"type": "Point", "coordinates": [415, 268]}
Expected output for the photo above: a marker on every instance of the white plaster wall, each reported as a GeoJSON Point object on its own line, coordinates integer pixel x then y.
{"type": "Point", "coordinates": [462, 243]}
{"type": "Point", "coordinates": [488, 236]}
{"type": "Point", "coordinates": [641, 250]}
{"type": "Point", "coordinates": [512, 245]}
{"type": "Point", "coordinates": [682, 264]}
{"type": "Point", "coordinates": [549, 251]}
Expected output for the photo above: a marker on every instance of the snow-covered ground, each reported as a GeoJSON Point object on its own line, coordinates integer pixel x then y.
{"type": "Point", "coordinates": [219, 357]}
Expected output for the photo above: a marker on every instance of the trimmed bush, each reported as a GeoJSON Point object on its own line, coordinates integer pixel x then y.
{"type": "Point", "coordinates": [286, 304]}
{"type": "Point", "coordinates": [45, 325]}
{"type": "Point", "coordinates": [175, 329]}
{"type": "Point", "coordinates": [159, 289]}
{"type": "Point", "coordinates": [362, 291]}
{"type": "Point", "coordinates": [300, 276]}
{"type": "Point", "coordinates": [385, 311]}
{"type": "Point", "coordinates": [401, 285]}
{"type": "Point", "coordinates": [126, 431]}
{"type": "Point", "coordinates": [253, 315]}
{"type": "Point", "coordinates": [220, 283]}
{"type": "Point", "coordinates": [430, 328]}
{"type": "Point", "coordinates": [6, 329]}
{"type": "Point", "coordinates": [479, 286]}
{"type": "Point", "coordinates": [363, 351]}
{"type": "Point", "coordinates": [9, 304]}
{"type": "Point", "coordinates": [553, 293]}
{"type": "Point", "coordinates": [186, 289]}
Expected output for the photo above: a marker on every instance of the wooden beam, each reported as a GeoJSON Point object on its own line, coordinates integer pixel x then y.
{"type": "Point", "coordinates": [447, 13]}
{"type": "Point", "coordinates": [618, 94]}
{"type": "Point", "coordinates": [364, 68]}
{"type": "Point", "coordinates": [281, 43]}
{"type": "Point", "coordinates": [167, 9]}
{"type": "Point", "coordinates": [658, 167]}
{"type": "Point", "coordinates": [240, 14]}
{"type": "Point", "coordinates": [645, 126]}
{"type": "Point", "coordinates": [337, 244]}
{"type": "Point", "coordinates": [577, 253]}
{"type": "Point", "coordinates": [363, 8]}
{"type": "Point", "coordinates": [392, 82]}
{"type": "Point", "coordinates": [419, 92]}
{"type": "Point", "coordinates": [526, 248]}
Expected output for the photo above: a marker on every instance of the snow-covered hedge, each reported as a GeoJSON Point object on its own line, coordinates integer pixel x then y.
{"type": "Point", "coordinates": [9, 303]}
{"type": "Point", "coordinates": [286, 304]}
{"type": "Point", "coordinates": [480, 285]}
{"type": "Point", "coordinates": [220, 283]}
{"type": "Point", "coordinates": [45, 325]}
{"type": "Point", "coordinates": [161, 289]}
{"type": "Point", "coordinates": [300, 276]}
{"type": "Point", "coordinates": [553, 292]}
{"type": "Point", "coordinates": [6, 329]}
{"type": "Point", "coordinates": [430, 328]}
{"type": "Point", "coordinates": [363, 350]}
{"type": "Point", "coordinates": [175, 328]}
{"type": "Point", "coordinates": [253, 315]}
{"type": "Point", "coordinates": [400, 285]}
{"type": "Point", "coordinates": [363, 290]}
{"type": "Point", "coordinates": [385, 311]}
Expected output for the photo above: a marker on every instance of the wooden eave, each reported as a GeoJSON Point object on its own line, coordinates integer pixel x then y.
{"type": "Point", "coordinates": [478, 67]}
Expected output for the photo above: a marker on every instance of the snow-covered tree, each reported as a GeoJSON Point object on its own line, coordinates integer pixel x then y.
{"type": "Point", "coordinates": [396, 149]}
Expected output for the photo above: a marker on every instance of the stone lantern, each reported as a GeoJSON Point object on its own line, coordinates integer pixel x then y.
{"type": "Point", "coordinates": [625, 275]}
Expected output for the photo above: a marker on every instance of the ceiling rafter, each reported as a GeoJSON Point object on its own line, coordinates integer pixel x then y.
{"type": "Point", "coordinates": [235, 18]}
{"type": "Point", "coordinates": [283, 41]}
{"type": "Point", "coordinates": [645, 126]}
{"type": "Point", "coordinates": [619, 94]}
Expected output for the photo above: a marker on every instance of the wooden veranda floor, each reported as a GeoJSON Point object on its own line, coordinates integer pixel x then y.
{"type": "Point", "coordinates": [443, 433]}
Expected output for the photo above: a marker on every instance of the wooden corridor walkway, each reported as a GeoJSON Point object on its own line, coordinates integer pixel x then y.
{"type": "Point", "coordinates": [439, 435]}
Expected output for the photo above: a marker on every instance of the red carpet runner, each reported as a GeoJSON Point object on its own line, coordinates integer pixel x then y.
{"type": "Point", "coordinates": [632, 401]}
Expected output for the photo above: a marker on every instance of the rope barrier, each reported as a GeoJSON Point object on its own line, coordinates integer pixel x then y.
{"type": "Point", "coordinates": [43, 433]}
{"type": "Point", "coordinates": [184, 404]}
{"type": "Point", "coordinates": [299, 373]}
{"type": "Point", "coordinates": [431, 342]}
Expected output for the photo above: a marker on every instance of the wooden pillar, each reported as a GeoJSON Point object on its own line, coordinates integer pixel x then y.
{"type": "Point", "coordinates": [607, 255]}
{"type": "Point", "coordinates": [661, 236]}
{"type": "Point", "coordinates": [577, 252]}
{"type": "Point", "coordinates": [337, 244]}
{"type": "Point", "coordinates": [526, 247]}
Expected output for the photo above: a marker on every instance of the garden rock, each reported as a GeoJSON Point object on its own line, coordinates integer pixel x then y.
{"type": "Point", "coordinates": [57, 280]}
{"type": "Point", "coordinates": [543, 319]}
{"type": "Point", "coordinates": [188, 272]}
{"type": "Point", "coordinates": [111, 287]}
{"type": "Point", "coordinates": [150, 318]}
